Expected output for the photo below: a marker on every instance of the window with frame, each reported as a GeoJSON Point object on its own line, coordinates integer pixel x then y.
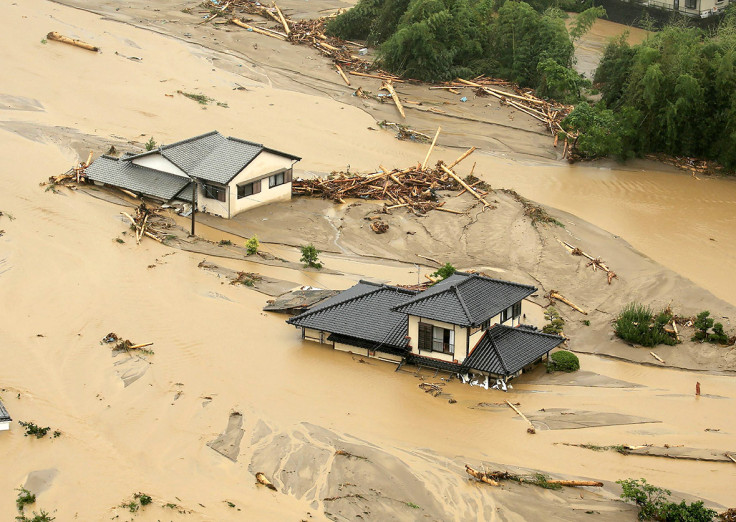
{"type": "Point", "coordinates": [248, 189]}
{"type": "Point", "coordinates": [280, 178]}
{"type": "Point", "coordinates": [436, 339]}
{"type": "Point", "coordinates": [691, 4]}
{"type": "Point", "coordinates": [214, 191]}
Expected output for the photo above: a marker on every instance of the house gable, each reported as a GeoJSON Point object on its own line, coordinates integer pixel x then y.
{"type": "Point", "coordinates": [157, 161]}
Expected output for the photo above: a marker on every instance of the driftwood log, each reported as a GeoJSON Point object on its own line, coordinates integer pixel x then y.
{"type": "Point", "coordinates": [53, 35]}
{"type": "Point", "coordinates": [531, 428]}
{"type": "Point", "coordinates": [554, 294]}
{"type": "Point", "coordinates": [261, 478]}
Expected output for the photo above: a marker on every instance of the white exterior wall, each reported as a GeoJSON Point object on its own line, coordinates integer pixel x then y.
{"type": "Point", "coordinates": [264, 164]}
{"type": "Point", "coordinates": [461, 339]}
{"type": "Point", "coordinates": [4, 426]}
{"type": "Point", "coordinates": [318, 336]}
{"type": "Point", "coordinates": [158, 162]}
{"type": "Point", "coordinates": [351, 349]}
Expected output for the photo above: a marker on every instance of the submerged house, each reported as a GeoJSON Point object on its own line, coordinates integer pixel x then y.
{"type": "Point", "coordinates": [4, 418]}
{"type": "Point", "coordinates": [225, 175]}
{"type": "Point", "coordinates": [467, 323]}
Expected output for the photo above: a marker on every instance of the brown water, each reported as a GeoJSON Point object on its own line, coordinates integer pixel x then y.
{"type": "Point", "coordinates": [65, 282]}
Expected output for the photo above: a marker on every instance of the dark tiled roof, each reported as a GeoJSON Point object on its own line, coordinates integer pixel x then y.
{"type": "Point", "coordinates": [504, 350]}
{"type": "Point", "coordinates": [365, 312]}
{"type": "Point", "coordinates": [212, 156]}
{"type": "Point", "coordinates": [125, 174]}
{"type": "Point", "coordinates": [466, 299]}
{"type": "Point", "coordinates": [4, 415]}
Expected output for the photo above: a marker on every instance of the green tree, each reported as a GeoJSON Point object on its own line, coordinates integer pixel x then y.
{"type": "Point", "coordinates": [310, 256]}
{"type": "Point", "coordinates": [251, 245]}
{"type": "Point", "coordinates": [444, 271]}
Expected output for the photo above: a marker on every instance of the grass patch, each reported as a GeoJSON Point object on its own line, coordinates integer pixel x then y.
{"type": "Point", "coordinates": [637, 324]}
{"type": "Point", "coordinates": [412, 505]}
{"type": "Point", "coordinates": [42, 516]}
{"type": "Point", "coordinates": [34, 430]}
{"type": "Point", "coordinates": [119, 240]}
{"type": "Point", "coordinates": [143, 498]}
{"type": "Point", "coordinates": [246, 278]}
{"type": "Point", "coordinates": [199, 98]}
{"type": "Point", "coordinates": [225, 242]}
{"type": "Point", "coordinates": [534, 212]}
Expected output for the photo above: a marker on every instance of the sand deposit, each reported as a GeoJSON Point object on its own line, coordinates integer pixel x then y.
{"type": "Point", "coordinates": [65, 282]}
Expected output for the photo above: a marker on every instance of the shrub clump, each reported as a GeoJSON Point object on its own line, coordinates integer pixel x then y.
{"type": "Point", "coordinates": [637, 324]}
{"type": "Point", "coordinates": [703, 323]}
{"type": "Point", "coordinates": [251, 245]}
{"type": "Point", "coordinates": [655, 504]}
{"type": "Point", "coordinates": [310, 256]}
{"type": "Point", "coordinates": [563, 361]}
{"type": "Point", "coordinates": [25, 498]}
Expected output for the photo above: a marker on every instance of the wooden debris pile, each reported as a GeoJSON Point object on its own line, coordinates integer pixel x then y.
{"type": "Point", "coordinates": [434, 389]}
{"type": "Point", "coordinates": [76, 174]}
{"type": "Point", "coordinates": [148, 222]}
{"type": "Point", "coordinates": [494, 478]}
{"type": "Point", "coordinates": [414, 188]}
{"type": "Point", "coordinates": [120, 344]}
{"type": "Point", "coordinates": [595, 262]}
{"type": "Point", "coordinates": [548, 113]}
{"type": "Point", "coordinates": [531, 210]}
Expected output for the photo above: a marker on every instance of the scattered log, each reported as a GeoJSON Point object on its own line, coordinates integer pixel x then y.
{"type": "Point", "coordinates": [430, 259]}
{"type": "Point", "coordinates": [376, 76]}
{"type": "Point", "coordinates": [137, 346]}
{"type": "Point", "coordinates": [388, 86]}
{"type": "Point", "coordinates": [480, 475]}
{"type": "Point", "coordinates": [465, 155]}
{"type": "Point", "coordinates": [342, 74]}
{"type": "Point", "coordinates": [576, 483]}
{"type": "Point", "coordinates": [443, 209]}
{"type": "Point", "coordinates": [53, 35]}
{"type": "Point", "coordinates": [426, 159]}
{"type": "Point", "coordinates": [656, 357]}
{"type": "Point", "coordinates": [283, 20]}
{"type": "Point", "coordinates": [261, 478]}
{"type": "Point", "coordinates": [730, 457]}
{"type": "Point", "coordinates": [257, 30]}
{"type": "Point", "coordinates": [556, 295]}
{"type": "Point", "coordinates": [531, 428]}
{"type": "Point", "coordinates": [466, 186]}
{"type": "Point", "coordinates": [128, 193]}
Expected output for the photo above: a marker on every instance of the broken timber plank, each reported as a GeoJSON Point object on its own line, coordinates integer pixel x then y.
{"type": "Point", "coordinates": [342, 74]}
{"type": "Point", "coordinates": [479, 475]}
{"type": "Point", "coordinates": [555, 295]}
{"type": "Point", "coordinates": [465, 155]}
{"type": "Point", "coordinates": [281, 17]}
{"type": "Point", "coordinates": [656, 357]}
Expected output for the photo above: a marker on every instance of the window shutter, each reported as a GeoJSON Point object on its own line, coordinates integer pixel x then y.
{"type": "Point", "coordinates": [257, 187]}
{"type": "Point", "coordinates": [287, 176]}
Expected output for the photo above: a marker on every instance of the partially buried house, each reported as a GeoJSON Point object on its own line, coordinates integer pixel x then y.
{"type": "Point", "coordinates": [231, 175]}
{"type": "Point", "coordinates": [4, 418]}
{"type": "Point", "coordinates": [467, 323]}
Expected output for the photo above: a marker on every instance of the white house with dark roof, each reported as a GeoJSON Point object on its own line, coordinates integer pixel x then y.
{"type": "Point", "coordinates": [466, 323]}
{"type": "Point", "coordinates": [230, 175]}
{"type": "Point", "coordinates": [4, 418]}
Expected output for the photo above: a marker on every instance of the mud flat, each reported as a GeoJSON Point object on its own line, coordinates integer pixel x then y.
{"type": "Point", "coordinates": [69, 281]}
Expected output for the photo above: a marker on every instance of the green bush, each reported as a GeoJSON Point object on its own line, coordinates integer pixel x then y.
{"type": "Point", "coordinates": [654, 503]}
{"type": "Point", "coordinates": [143, 498]}
{"type": "Point", "coordinates": [43, 516]}
{"type": "Point", "coordinates": [251, 245]}
{"type": "Point", "coordinates": [703, 322]}
{"type": "Point", "coordinates": [444, 271]}
{"type": "Point", "coordinates": [555, 324]}
{"type": "Point", "coordinates": [563, 361]}
{"type": "Point", "coordinates": [310, 256]}
{"type": "Point", "coordinates": [25, 498]}
{"type": "Point", "coordinates": [636, 324]}
{"type": "Point", "coordinates": [150, 144]}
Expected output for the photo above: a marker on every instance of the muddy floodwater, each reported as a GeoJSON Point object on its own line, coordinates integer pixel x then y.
{"type": "Point", "coordinates": [684, 223]}
{"type": "Point", "coordinates": [229, 390]}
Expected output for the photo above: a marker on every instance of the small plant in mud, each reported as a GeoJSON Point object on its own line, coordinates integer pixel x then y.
{"type": "Point", "coordinates": [119, 240]}
{"type": "Point", "coordinates": [25, 498]}
{"type": "Point", "coordinates": [131, 506]}
{"type": "Point", "coordinates": [655, 504]}
{"type": "Point", "coordinates": [150, 144]}
{"type": "Point", "coordinates": [225, 242]}
{"type": "Point", "coordinates": [555, 322]}
{"type": "Point", "coordinates": [563, 361]}
{"type": "Point", "coordinates": [251, 245]}
{"type": "Point", "coordinates": [42, 516]}
{"type": "Point", "coordinates": [246, 278]}
{"type": "Point", "coordinates": [703, 323]}
{"type": "Point", "coordinates": [310, 256]}
{"type": "Point", "coordinates": [637, 324]}
{"type": "Point", "coordinates": [444, 272]}
{"type": "Point", "coordinates": [586, 322]}
{"type": "Point", "coordinates": [143, 498]}
{"type": "Point", "coordinates": [412, 505]}
{"type": "Point", "coordinates": [33, 429]}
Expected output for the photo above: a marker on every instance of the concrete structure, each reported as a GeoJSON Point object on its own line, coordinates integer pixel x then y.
{"type": "Point", "coordinates": [467, 323]}
{"type": "Point", "coordinates": [227, 174]}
